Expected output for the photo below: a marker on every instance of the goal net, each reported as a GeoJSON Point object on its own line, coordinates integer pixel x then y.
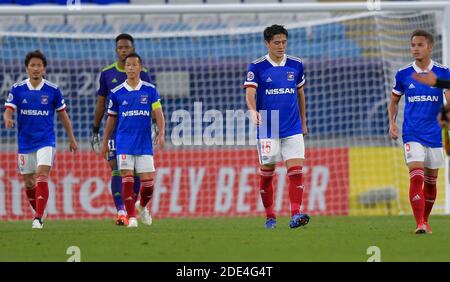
{"type": "Point", "coordinates": [209, 165]}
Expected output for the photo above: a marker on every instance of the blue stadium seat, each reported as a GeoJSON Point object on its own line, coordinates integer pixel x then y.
{"type": "Point", "coordinates": [106, 2]}
{"type": "Point", "coordinates": [21, 28]}
{"type": "Point", "coordinates": [59, 28]}
{"type": "Point", "coordinates": [211, 26]}
{"type": "Point", "coordinates": [248, 24]}
{"type": "Point", "coordinates": [136, 28]}
{"type": "Point", "coordinates": [32, 2]}
{"type": "Point", "coordinates": [98, 28]}
{"type": "Point", "coordinates": [328, 31]}
{"type": "Point", "coordinates": [64, 2]}
{"type": "Point", "coordinates": [167, 27]}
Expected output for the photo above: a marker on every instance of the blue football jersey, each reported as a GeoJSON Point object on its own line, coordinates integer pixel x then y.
{"type": "Point", "coordinates": [134, 122]}
{"type": "Point", "coordinates": [111, 77]}
{"type": "Point", "coordinates": [422, 105]}
{"type": "Point", "coordinates": [35, 113]}
{"type": "Point", "coordinates": [276, 95]}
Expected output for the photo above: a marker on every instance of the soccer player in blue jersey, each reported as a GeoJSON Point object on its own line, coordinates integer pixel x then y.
{"type": "Point", "coordinates": [421, 133]}
{"type": "Point", "coordinates": [110, 77]}
{"type": "Point", "coordinates": [36, 100]}
{"type": "Point", "coordinates": [131, 105]}
{"type": "Point", "coordinates": [276, 101]}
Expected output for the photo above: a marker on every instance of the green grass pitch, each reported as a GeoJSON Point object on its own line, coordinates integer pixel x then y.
{"type": "Point", "coordinates": [228, 240]}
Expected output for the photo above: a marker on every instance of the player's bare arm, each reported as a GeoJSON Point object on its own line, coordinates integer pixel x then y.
{"type": "Point", "coordinates": [302, 108]}
{"type": "Point", "coordinates": [250, 98]}
{"type": "Point", "coordinates": [161, 124]}
{"type": "Point", "coordinates": [65, 120]}
{"type": "Point", "coordinates": [392, 111]}
{"type": "Point", "coordinates": [8, 118]}
{"type": "Point", "coordinates": [110, 124]}
{"type": "Point", "coordinates": [99, 110]}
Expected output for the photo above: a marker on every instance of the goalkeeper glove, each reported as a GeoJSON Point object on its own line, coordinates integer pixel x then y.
{"type": "Point", "coordinates": [95, 139]}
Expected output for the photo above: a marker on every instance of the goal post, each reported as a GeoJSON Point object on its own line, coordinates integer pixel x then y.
{"type": "Point", "coordinates": [209, 168]}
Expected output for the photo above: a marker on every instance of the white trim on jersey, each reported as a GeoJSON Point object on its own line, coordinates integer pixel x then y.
{"type": "Point", "coordinates": [129, 88]}
{"type": "Point", "coordinates": [111, 112]}
{"type": "Point", "coordinates": [397, 92]}
{"type": "Point", "coordinates": [282, 63]}
{"type": "Point", "coordinates": [247, 83]}
{"type": "Point", "coordinates": [114, 90]}
{"type": "Point", "coordinates": [259, 60]}
{"type": "Point", "coordinates": [52, 85]}
{"type": "Point", "coordinates": [20, 83]}
{"type": "Point", "coordinates": [39, 87]}
{"type": "Point", "coordinates": [301, 83]}
{"type": "Point", "coordinates": [11, 105]}
{"type": "Point", "coordinates": [419, 70]}
{"type": "Point", "coordinates": [148, 84]}
{"type": "Point", "coordinates": [294, 58]}
{"type": "Point", "coordinates": [61, 108]}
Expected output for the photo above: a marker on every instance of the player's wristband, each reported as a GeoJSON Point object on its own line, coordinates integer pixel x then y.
{"type": "Point", "coordinates": [442, 83]}
{"type": "Point", "coordinates": [95, 129]}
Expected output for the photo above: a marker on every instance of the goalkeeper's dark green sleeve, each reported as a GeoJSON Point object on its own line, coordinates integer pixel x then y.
{"type": "Point", "coordinates": [442, 83]}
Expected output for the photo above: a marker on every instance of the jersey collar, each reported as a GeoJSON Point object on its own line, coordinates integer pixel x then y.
{"type": "Point", "coordinates": [39, 87]}
{"type": "Point", "coordinates": [283, 62]}
{"type": "Point", "coordinates": [116, 64]}
{"type": "Point", "coordinates": [419, 70]}
{"type": "Point", "coordinates": [129, 88]}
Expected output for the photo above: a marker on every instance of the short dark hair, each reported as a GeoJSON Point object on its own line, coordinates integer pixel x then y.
{"type": "Point", "coordinates": [125, 36]}
{"type": "Point", "coordinates": [35, 54]}
{"type": "Point", "coordinates": [273, 30]}
{"type": "Point", "coordinates": [420, 32]}
{"type": "Point", "coordinates": [134, 55]}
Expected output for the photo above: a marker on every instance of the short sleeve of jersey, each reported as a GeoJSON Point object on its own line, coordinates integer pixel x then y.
{"type": "Point", "coordinates": [301, 76]}
{"type": "Point", "coordinates": [146, 77]}
{"type": "Point", "coordinates": [59, 100]}
{"type": "Point", "coordinates": [446, 75]}
{"type": "Point", "coordinates": [11, 99]}
{"type": "Point", "coordinates": [398, 88]}
{"type": "Point", "coordinates": [113, 105]}
{"type": "Point", "coordinates": [155, 100]}
{"type": "Point", "coordinates": [252, 79]}
{"type": "Point", "coordinates": [103, 88]}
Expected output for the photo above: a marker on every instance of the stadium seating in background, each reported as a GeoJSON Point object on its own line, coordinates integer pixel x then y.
{"type": "Point", "coordinates": [195, 19]}
{"type": "Point", "coordinates": [38, 21]}
{"type": "Point", "coordinates": [58, 28]}
{"type": "Point", "coordinates": [98, 28]}
{"type": "Point", "coordinates": [156, 20]}
{"type": "Point", "coordinates": [106, 2]}
{"type": "Point", "coordinates": [135, 28]}
{"type": "Point", "coordinates": [174, 27]}
{"type": "Point", "coordinates": [80, 21]}
{"type": "Point", "coordinates": [241, 20]}
{"type": "Point", "coordinates": [148, 2]}
{"type": "Point", "coordinates": [185, 2]}
{"type": "Point", "coordinates": [6, 21]}
{"type": "Point", "coordinates": [25, 27]}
